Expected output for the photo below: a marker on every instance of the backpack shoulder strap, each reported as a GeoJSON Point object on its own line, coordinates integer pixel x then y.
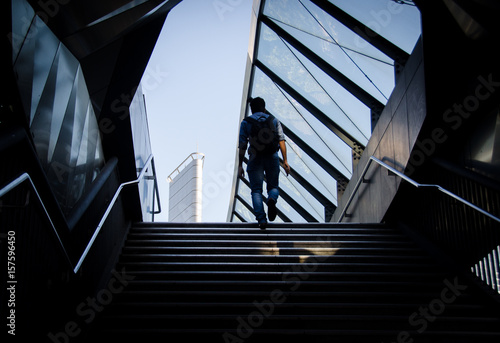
{"type": "Point", "coordinates": [270, 122]}
{"type": "Point", "coordinates": [251, 120]}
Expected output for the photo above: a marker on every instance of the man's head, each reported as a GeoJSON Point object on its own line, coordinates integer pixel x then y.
{"type": "Point", "coordinates": [257, 105]}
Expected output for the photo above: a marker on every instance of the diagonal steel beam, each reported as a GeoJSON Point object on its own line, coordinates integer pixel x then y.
{"type": "Point", "coordinates": [352, 87]}
{"type": "Point", "coordinates": [322, 117]}
{"type": "Point", "coordinates": [372, 37]}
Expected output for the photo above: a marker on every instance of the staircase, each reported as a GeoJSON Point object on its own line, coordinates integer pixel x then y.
{"type": "Point", "coordinates": [310, 283]}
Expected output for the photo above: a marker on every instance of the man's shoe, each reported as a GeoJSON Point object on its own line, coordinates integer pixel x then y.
{"type": "Point", "coordinates": [271, 206]}
{"type": "Point", "coordinates": [263, 225]}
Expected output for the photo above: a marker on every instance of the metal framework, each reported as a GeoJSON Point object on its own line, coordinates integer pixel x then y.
{"type": "Point", "coordinates": [330, 176]}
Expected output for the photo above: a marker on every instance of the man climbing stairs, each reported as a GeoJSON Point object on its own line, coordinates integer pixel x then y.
{"type": "Point", "coordinates": [293, 282]}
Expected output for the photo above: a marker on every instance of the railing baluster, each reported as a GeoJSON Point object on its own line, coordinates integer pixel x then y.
{"type": "Point", "coordinates": [478, 238]}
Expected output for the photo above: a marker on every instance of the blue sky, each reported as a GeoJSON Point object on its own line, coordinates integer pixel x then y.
{"type": "Point", "coordinates": [193, 87]}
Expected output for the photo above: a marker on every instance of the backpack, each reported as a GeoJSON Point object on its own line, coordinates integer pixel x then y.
{"type": "Point", "coordinates": [264, 139]}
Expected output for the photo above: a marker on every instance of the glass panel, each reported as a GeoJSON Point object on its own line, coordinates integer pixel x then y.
{"type": "Point", "coordinates": [398, 23]}
{"type": "Point", "coordinates": [142, 151]}
{"type": "Point", "coordinates": [306, 77]}
{"type": "Point", "coordinates": [302, 197]}
{"type": "Point", "coordinates": [244, 191]}
{"type": "Point", "coordinates": [356, 118]}
{"type": "Point", "coordinates": [311, 171]}
{"type": "Point", "coordinates": [243, 211]}
{"type": "Point", "coordinates": [287, 209]}
{"type": "Point", "coordinates": [140, 129]}
{"type": "Point", "coordinates": [303, 123]}
{"type": "Point", "coordinates": [362, 63]}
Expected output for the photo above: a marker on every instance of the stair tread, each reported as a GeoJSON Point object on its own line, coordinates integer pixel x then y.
{"type": "Point", "coordinates": [289, 226]}
{"type": "Point", "coordinates": [272, 283]}
{"type": "Point", "coordinates": [243, 249]}
{"type": "Point", "coordinates": [155, 261]}
{"type": "Point", "coordinates": [292, 331]}
{"type": "Point", "coordinates": [260, 234]}
{"type": "Point", "coordinates": [283, 264]}
{"type": "Point", "coordinates": [342, 317]}
{"type": "Point", "coordinates": [135, 241]}
{"type": "Point", "coordinates": [236, 308]}
{"type": "Point", "coordinates": [280, 273]}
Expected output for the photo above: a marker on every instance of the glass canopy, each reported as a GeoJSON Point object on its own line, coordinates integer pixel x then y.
{"type": "Point", "coordinates": [326, 70]}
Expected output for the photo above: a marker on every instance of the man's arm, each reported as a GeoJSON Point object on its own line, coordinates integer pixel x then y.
{"type": "Point", "coordinates": [242, 147]}
{"type": "Point", "coordinates": [285, 161]}
{"type": "Point", "coordinates": [241, 157]}
{"type": "Point", "coordinates": [282, 145]}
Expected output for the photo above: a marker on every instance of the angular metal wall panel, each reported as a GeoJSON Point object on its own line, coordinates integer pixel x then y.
{"type": "Point", "coordinates": [58, 108]}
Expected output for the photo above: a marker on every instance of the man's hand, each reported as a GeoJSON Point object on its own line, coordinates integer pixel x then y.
{"type": "Point", "coordinates": [285, 161]}
{"type": "Point", "coordinates": [241, 156]}
{"type": "Point", "coordinates": [241, 172]}
{"type": "Point", "coordinates": [286, 166]}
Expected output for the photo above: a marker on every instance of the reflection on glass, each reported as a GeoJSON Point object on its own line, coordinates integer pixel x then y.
{"type": "Point", "coordinates": [398, 23]}
{"type": "Point", "coordinates": [285, 62]}
{"type": "Point", "coordinates": [311, 171]}
{"type": "Point", "coordinates": [303, 123]}
{"type": "Point", "coordinates": [244, 192]}
{"type": "Point", "coordinates": [289, 211]}
{"type": "Point", "coordinates": [336, 44]}
{"type": "Point", "coordinates": [302, 197]}
{"type": "Point", "coordinates": [142, 151]}
{"type": "Point", "coordinates": [243, 211]}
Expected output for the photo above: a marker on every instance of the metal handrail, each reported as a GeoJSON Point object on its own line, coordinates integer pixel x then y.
{"type": "Point", "coordinates": [25, 176]}
{"type": "Point", "coordinates": [413, 183]}
{"type": "Point", "coordinates": [108, 210]}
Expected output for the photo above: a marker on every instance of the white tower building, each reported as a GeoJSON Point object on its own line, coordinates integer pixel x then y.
{"type": "Point", "coordinates": [185, 190]}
